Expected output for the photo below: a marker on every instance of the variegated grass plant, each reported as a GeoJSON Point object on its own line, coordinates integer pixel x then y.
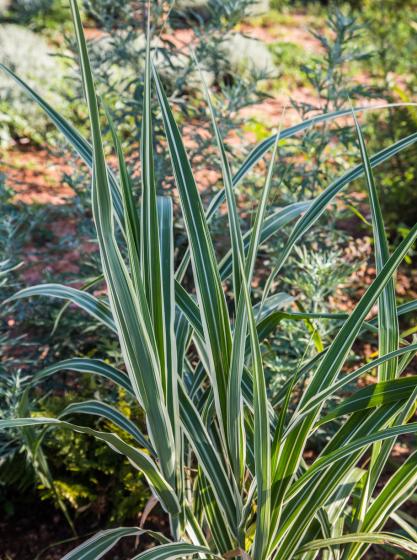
{"type": "Point", "coordinates": [226, 465]}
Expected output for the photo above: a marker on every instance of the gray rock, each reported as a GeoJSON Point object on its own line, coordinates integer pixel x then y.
{"type": "Point", "coordinates": [260, 7]}
{"type": "Point", "coordinates": [4, 6]}
{"type": "Point", "coordinates": [247, 55]}
{"type": "Point", "coordinates": [28, 55]}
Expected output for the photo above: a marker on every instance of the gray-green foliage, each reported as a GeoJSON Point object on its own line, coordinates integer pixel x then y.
{"type": "Point", "coordinates": [227, 466]}
{"type": "Point", "coordinates": [117, 56]}
{"type": "Point", "coordinates": [35, 14]}
{"type": "Point", "coordinates": [392, 32]}
{"type": "Point", "coordinates": [319, 265]}
{"type": "Point", "coordinates": [207, 7]}
{"type": "Point", "coordinates": [26, 9]}
{"type": "Point", "coordinates": [330, 74]}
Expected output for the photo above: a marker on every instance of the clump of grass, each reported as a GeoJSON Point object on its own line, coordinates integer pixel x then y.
{"type": "Point", "coordinates": [226, 465]}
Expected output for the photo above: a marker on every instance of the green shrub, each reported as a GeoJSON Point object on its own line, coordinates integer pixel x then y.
{"type": "Point", "coordinates": [229, 468]}
{"type": "Point", "coordinates": [117, 56]}
{"type": "Point", "coordinates": [25, 10]}
{"type": "Point", "coordinates": [307, 163]}
{"type": "Point", "coordinates": [392, 34]}
{"type": "Point", "coordinates": [48, 15]}
{"type": "Point", "coordinates": [88, 476]}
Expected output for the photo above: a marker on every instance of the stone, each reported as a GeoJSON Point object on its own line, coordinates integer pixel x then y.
{"type": "Point", "coordinates": [29, 56]}
{"type": "Point", "coordinates": [4, 6]}
{"type": "Point", "coordinates": [260, 7]}
{"type": "Point", "coordinates": [246, 54]}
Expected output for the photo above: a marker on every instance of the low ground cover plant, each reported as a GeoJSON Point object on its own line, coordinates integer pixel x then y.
{"type": "Point", "coordinates": [228, 467]}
